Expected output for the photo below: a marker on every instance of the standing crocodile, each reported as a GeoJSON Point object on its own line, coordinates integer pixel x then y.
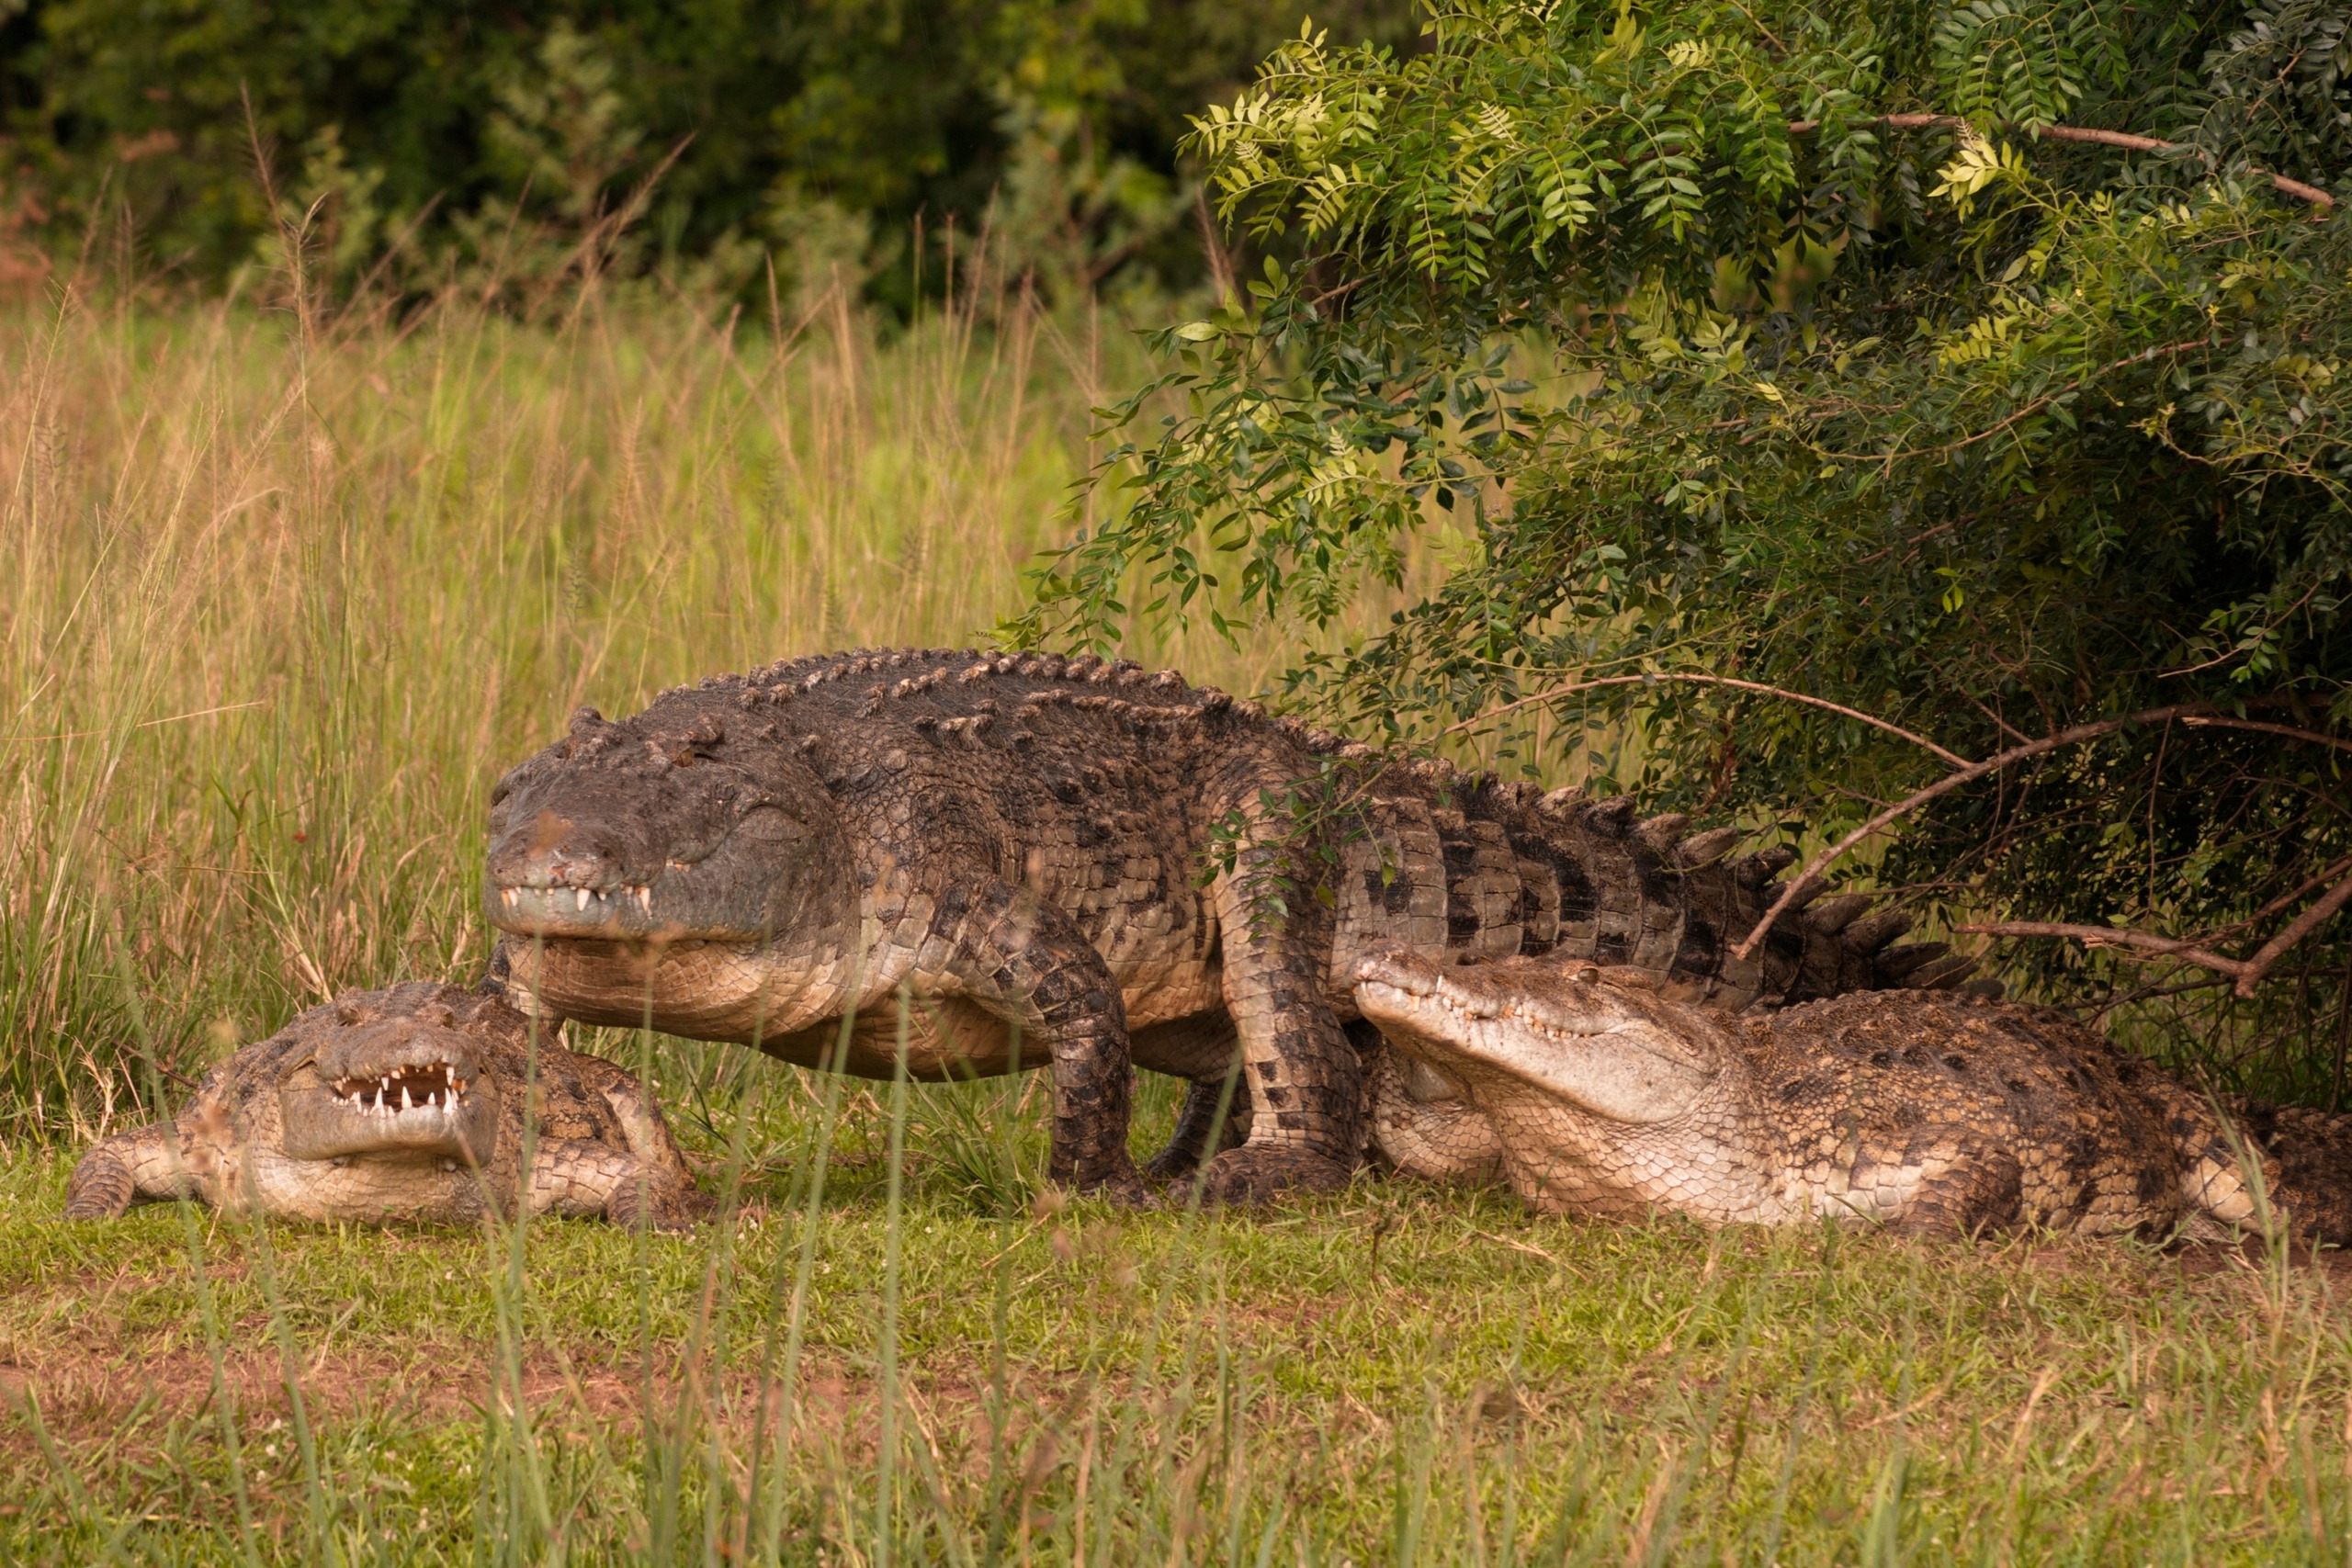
{"type": "Point", "coordinates": [1926, 1111]}
{"type": "Point", "coordinates": [403, 1104]}
{"type": "Point", "coordinates": [1082, 865]}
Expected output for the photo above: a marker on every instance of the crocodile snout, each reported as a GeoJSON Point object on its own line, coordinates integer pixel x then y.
{"type": "Point", "coordinates": [395, 1086]}
{"type": "Point", "coordinates": [555, 872]}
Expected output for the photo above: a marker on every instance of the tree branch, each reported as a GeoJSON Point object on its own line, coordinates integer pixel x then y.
{"type": "Point", "coordinates": [2109, 936]}
{"type": "Point", "coordinates": [2248, 972]}
{"type": "Point", "coordinates": [2310, 920]}
{"type": "Point", "coordinates": [1551, 694]}
{"type": "Point", "coordinates": [2292, 733]}
{"type": "Point", "coordinates": [1811, 875]}
{"type": "Point", "coordinates": [2124, 139]}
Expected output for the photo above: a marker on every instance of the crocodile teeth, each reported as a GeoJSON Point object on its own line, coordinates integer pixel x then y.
{"type": "Point", "coordinates": [406, 1103]}
{"type": "Point", "coordinates": [507, 896]}
{"type": "Point", "coordinates": [645, 899]}
{"type": "Point", "coordinates": [582, 896]}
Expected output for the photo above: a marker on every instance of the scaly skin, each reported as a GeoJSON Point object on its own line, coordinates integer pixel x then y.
{"type": "Point", "coordinates": [292, 1125]}
{"type": "Point", "coordinates": [1923, 1111]}
{"type": "Point", "coordinates": [1097, 864]}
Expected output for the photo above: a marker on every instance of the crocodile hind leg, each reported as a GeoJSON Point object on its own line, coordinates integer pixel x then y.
{"type": "Point", "coordinates": [138, 1167]}
{"type": "Point", "coordinates": [1213, 1118]}
{"type": "Point", "coordinates": [1304, 1079]}
{"type": "Point", "coordinates": [1968, 1188]}
{"type": "Point", "coordinates": [2307, 1158]}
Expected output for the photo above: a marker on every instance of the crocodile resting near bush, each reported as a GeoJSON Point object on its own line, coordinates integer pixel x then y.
{"type": "Point", "coordinates": [1081, 865]}
{"type": "Point", "coordinates": [1925, 1111]}
{"type": "Point", "coordinates": [403, 1104]}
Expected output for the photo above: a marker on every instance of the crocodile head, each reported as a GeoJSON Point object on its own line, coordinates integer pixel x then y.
{"type": "Point", "coordinates": [399, 1077]}
{"type": "Point", "coordinates": [405, 1103]}
{"type": "Point", "coordinates": [662, 828]}
{"type": "Point", "coordinates": [1539, 1042]}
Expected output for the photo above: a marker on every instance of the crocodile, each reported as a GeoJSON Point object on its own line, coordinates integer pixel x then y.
{"type": "Point", "coordinates": [1084, 866]}
{"type": "Point", "coordinates": [1932, 1112]}
{"type": "Point", "coordinates": [403, 1104]}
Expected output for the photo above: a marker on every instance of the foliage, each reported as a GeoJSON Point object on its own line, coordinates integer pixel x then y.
{"type": "Point", "coordinates": [816, 132]}
{"type": "Point", "coordinates": [1696, 359]}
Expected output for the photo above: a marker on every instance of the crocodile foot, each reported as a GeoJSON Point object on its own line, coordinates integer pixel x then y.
{"type": "Point", "coordinates": [1250, 1176]}
{"type": "Point", "coordinates": [1172, 1164]}
{"type": "Point", "coordinates": [1120, 1184]}
{"type": "Point", "coordinates": [667, 1207]}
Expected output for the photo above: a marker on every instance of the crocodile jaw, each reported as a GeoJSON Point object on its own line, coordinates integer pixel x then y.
{"type": "Point", "coordinates": [392, 1090]}
{"type": "Point", "coordinates": [1522, 1031]}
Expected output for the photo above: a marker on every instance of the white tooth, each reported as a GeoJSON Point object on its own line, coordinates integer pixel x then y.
{"type": "Point", "coordinates": [507, 895]}
{"type": "Point", "coordinates": [406, 1103]}
{"type": "Point", "coordinates": [582, 897]}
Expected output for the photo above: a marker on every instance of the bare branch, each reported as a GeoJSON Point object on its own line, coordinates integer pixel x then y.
{"type": "Point", "coordinates": [2310, 920]}
{"type": "Point", "coordinates": [1551, 694]}
{"type": "Point", "coordinates": [2109, 936]}
{"type": "Point", "coordinates": [1810, 878]}
{"type": "Point", "coordinates": [2124, 139]}
{"type": "Point", "coordinates": [2217, 721]}
{"type": "Point", "coordinates": [2248, 972]}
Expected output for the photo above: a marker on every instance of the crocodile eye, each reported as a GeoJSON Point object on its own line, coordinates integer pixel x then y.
{"type": "Point", "coordinates": [1589, 976]}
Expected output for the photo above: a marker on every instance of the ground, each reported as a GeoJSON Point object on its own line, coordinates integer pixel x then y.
{"type": "Point", "coordinates": [1394, 1375]}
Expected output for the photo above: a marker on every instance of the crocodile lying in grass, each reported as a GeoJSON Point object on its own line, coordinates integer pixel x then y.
{"type": "Point", "coordinates": [1095, 866]}
{"type": "Point", "coordinates": [403, 1104]}
{"type": "Point", "coordinates": [1924, 1112]}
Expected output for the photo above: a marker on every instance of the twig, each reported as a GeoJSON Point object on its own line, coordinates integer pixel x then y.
{"type": "Point", "coordinates": [148, 723]}
{"type": "Point", "coordinates": [2110, 936]}
{"type": "Point", "coordinates": [1527, 1247]}
{"type": "Point", "coordinates": [2124, 139]}
{"type": "Point", "coordinates": [2248, 972]}
{"type": "Point", "coordinates": [1810, 878]}
{"type": "Point", "coordinates": [2216, 721]}
{"type": "Point", "coordinates": [1757, 686]}
{"type": "Point", "coordinates": [2036, 406]}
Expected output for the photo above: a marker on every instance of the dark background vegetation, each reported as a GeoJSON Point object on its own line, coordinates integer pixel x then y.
{"type": "Point", "coordinates": [821, 132]}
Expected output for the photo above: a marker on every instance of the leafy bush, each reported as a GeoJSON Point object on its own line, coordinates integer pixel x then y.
{"type": "Point", "coordinates": [1981, 368]}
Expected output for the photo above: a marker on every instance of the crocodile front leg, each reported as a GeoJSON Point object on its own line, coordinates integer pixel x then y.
{"type": "Point", "coordinates": [574, 1178]}
{"type": "Point", "coordinates": [138, 1167]}
{"type": "Point", "coordinates": [1024, 960]}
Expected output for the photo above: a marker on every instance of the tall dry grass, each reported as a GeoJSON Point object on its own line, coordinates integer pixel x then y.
{"type": "Point", "coordinates": [286, 591]}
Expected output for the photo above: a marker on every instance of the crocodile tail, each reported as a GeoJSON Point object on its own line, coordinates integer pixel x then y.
{"type": "Point", "coordinates": [2313, 1187]}
{"type": "Point", "coordinates": [1446, 862]}
{"type": "Point", "coordinates": [1693, 901]}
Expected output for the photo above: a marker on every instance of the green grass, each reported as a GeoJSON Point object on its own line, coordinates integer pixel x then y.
{"type": "Point", "coordinates": [1393, 1376]}
{"type": "Point", "coordinates": [278, 598]}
